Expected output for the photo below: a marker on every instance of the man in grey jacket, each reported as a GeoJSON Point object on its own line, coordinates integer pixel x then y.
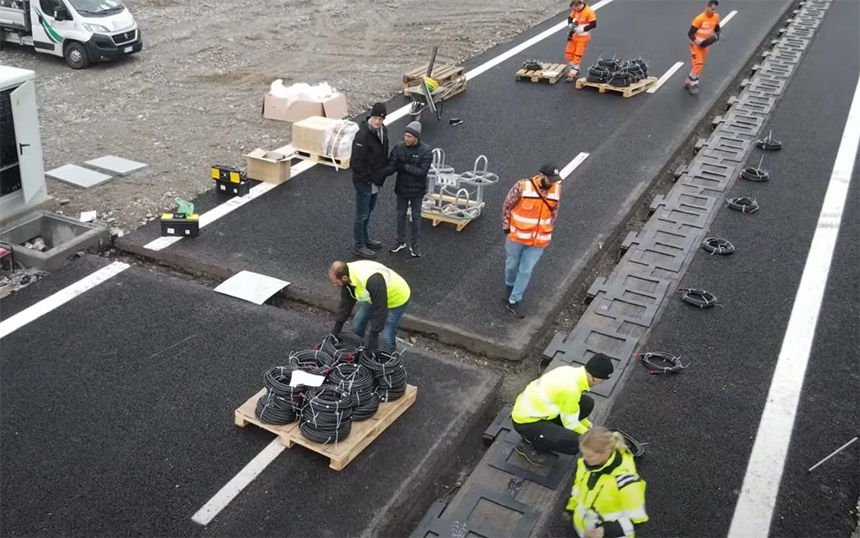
{"type": "Point", "coordinates": [411, 159]}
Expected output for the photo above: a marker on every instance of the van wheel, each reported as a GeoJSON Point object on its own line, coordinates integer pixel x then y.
{"type": "Point", "coordinates": [76, 55]}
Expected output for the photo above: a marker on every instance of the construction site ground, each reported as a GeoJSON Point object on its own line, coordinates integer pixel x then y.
{"type": "Point", "coordinates": [294, 231]}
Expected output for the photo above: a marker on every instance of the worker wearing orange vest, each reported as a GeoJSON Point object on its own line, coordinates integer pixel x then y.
{"type": "Point", "coordinates": [528, 215]}
{"type": "Point", "coordinates": [704, 32]}
{"type": "Point", "coordinates": [580, 21]}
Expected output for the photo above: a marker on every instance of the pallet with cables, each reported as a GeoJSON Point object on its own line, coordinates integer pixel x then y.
{"type": "Point", "coordinates": [626, 91]}
{"type": "Point", "coordinates": [551, 73]}
{"type": "Point", "coordinates": [341, 453]}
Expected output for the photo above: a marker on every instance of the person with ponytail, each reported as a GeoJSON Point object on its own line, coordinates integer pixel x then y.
{"type": "Point", "coordinates": [607, 498]}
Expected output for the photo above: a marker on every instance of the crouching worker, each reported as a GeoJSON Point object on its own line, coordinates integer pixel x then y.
{"type": "Point", "coordinates": [382, 296]}
{"type": "Point", "coordinates": [607, 498]}
{"type": "Point", "coordinates": [552, 412]}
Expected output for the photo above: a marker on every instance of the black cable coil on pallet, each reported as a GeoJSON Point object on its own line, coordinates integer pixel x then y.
{"type": "Point", "coordinates": [659, 362]}
{"type": "Point", "coordinates": [743, 204]}
{"type": "Point", "coordinates": [326, 415]}
{"type": "Point", "coordinates": [281, 402]}
{"type": "Point", "coordinates": [700, 298]}
{"type": "Point", "coordinates": [532, 65]}
{"type": "Point", "coordinates": [314, 361]}
{"type": "Point", "coordinates": [342, 347]}
{"type": "Point", "coordinates": [358, 382]}
{"type": "Point", "coordinates": [718, 245]}
{"type": "Point", "coordinates": [388, 371]}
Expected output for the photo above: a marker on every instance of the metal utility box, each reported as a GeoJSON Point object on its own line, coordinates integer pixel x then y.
{"type": "Point", "coordinates": [22, 172]}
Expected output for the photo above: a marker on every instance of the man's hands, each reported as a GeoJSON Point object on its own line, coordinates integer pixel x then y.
{"type": "Point", "coordinates": [507, 231]}
{"type": "Point", "coordinates": [594, 533]}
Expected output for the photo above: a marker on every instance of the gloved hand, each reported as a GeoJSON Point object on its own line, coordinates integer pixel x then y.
{"type": "Point", "coordinates": [373, 341]}
{"type": "Point", "coordinates": [571, 26]}
{"type": "Point", "coordinates": [708, 41]}
{"type": "Point", "coordinates": [507, 231]}
{"type": "Point", "coordinates": [580, 29]}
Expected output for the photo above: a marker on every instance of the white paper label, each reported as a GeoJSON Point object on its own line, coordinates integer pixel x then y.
{"type": "Point", "coordinates": [300, 377]}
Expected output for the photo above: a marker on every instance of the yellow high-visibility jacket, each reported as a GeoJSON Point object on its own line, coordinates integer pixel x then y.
{"type": "Point", "coordinates": [554, 394]}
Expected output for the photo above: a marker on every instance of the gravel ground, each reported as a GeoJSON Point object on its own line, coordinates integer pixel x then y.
{"type": "Point", "coordinates": [193, 96]}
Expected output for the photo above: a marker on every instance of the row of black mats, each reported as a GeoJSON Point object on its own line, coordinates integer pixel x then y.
{"type": "Point", "coordinates": [617, 72]}
{"type": "Point", "coordinates": [229, 180]}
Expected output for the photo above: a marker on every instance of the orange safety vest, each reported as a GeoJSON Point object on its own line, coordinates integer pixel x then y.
{"type": "Point", "coordinates": [531, 217]}
{"type": "Point", "coordinates": [705, 25]}
{"type": "Point", "coordinates": [582, 17]}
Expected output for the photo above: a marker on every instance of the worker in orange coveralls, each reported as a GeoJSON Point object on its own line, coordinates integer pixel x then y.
{"type": "Point", "coordinates": [704, 32]}
{"type": "Point", "coordinates": [580, 21]}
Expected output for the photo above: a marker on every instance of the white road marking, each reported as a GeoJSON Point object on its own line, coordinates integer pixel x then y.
{"type": "Point", "coordinates": [666, 76]}
{"type": "Point", "coordinates": [238, 483]}
{"type": "Point", "coordinates": [60, 298]}
{"type": "Point", "coordinates": [754, 511]}
{"type": "Point", "coordinates": [572, 165]}
{"type": "Point", "coordinates": [729, 17]}
{"type": "Point", "coordinates": [234, 203]}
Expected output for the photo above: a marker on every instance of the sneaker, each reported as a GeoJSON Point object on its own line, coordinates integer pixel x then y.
{"type": "Point", "coordinates": [514, 308]}
{"type": "Point", "coordinates": [415, 252]}
{"type": "Point", "coordinates": [373, 244]}
{"type": "Point", "coordinates": [527, 451]}
{"type": "Point", "coordinates": [571, 76]}
{"type": "Point", "coordinates": [397, 247]}
{"type": "Point", "coordinates": [364, 252]}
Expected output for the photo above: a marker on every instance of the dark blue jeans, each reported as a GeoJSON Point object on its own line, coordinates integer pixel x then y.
{"type": "Point", "coordinates": [389, 332]}
{"type": "Point", "coordinates": [365, 201]}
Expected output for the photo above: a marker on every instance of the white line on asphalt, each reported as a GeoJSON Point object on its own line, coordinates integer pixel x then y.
{"type": "Point", "coordinates": [238, 483]}
{"type": "Point", "coordinates": [60, 298]}
{"type": "Point", "coordinates": [726, 20]}
{"type": "Point", "coordinates": [228, 207]}
{"type": "Point", "coordinates": [666, 76]}
{"type": "Point", "coordinates": [572, 165]}
{"type": "Point", "coordinates": [754, 511]}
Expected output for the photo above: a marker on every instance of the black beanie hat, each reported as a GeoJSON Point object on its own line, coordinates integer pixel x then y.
{"type": "Point", "coordinates": [600, 366]}
{"type": "Point", "coordinates": [379, 110]}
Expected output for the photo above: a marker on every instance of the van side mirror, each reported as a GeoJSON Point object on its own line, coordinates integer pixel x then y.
{"type": "Point", "coordinates": [62, 14]}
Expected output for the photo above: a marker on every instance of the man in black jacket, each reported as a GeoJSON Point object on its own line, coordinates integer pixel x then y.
{"type": "Point", "coordinates": [411, 159]}
{"type": "Point", "coordinates": [369, 162]}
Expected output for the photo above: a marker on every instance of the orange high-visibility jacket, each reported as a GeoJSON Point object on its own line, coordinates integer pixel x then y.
{"type": "Point", "coordinates": [582, 17]}
{"type": "Point", "coordinates": [705, 26]}
{"type": "Point", "coordinates": [531, 217]}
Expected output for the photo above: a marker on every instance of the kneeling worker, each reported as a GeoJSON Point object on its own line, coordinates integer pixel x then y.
{"type": "Point", "coordinates": [382, 295]}
{"type": "Point", "coordinates": [552, 412]}
{"type": "Point", "coordinates": [608, 495]}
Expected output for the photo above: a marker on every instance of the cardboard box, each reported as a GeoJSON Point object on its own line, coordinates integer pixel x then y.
{"type": "Point", "coordinates": [271, 169]}
{"type": "Point", "coordinates": [276, 108]}
{"type": "Point", "coordinates": [307, 134]}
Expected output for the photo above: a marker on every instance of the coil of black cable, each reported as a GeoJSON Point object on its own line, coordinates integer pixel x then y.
{"type": "Point", "coordinates": [326, 415]}
{"type": "Point", "coordinates": [636, 448]}
{"type": "Point", "coordinates": [281, 402]}
{"type": "Point", "coordinates": [743, 204]}
{"type": "Point", "coordinates": [718, 245]}
{"type": "Point", "coordinates": [660, 362]}
{"type": "Point", "coordinates": [342, 346]}
{"type": "Point", "coordinates": [756, 175]}
{"type": "Point", "coordinates": [769, 144]}
{"type": "Point", "coordinates": [388, 371]}
{"type": "Point", "coordinates": [700, 298]}
{"type": "Point", "coordinates": [313, 361]}
{"type": "Point", "coordinates": [358, 382]}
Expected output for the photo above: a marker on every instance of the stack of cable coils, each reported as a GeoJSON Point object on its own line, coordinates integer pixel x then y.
{"type": "Point", "coordinates": [281, 402]}
{"type": "Point", "coordinates": [388, 372]}
{"type": "Point", "coordinates": [358, 382]}
{"type": "Point", "coordinates": [326, 415]}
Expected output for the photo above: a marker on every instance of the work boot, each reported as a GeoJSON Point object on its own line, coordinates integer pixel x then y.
{"type": "Point", "coordinates": [415, 252]}
{"type": "Point", "coordinates": [373, 244]}
{"type": "Point", "coordinates": [514, 308]}
{"type": "Point", "coordinates": [364, 252]}
{"type": "Point", "coordinates": [398, 246]}
{"type": "Point", "coordinates": [530, 454]}
{"type": "Point", "coordinates": [571, 76]}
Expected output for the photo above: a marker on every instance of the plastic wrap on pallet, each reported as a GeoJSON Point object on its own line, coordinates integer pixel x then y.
{"type": "Point", "coordinates": [337, 139]}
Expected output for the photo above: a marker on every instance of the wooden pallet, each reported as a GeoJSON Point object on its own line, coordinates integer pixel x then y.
{"type": "Point", "coordinates": [437, 219]}
{"type": "Point", "coordinates": [551, 73]}
{"type": "Point", "coordinates": [318, 158]}
{"type": "Point", "coordinates": [628, 91]}
{"type": "Point", "coordinates": [446, 89]}
{"type": "Point", "coordinates": [340, 454]}
{"type": "Point", "coordinates": [442, 73]}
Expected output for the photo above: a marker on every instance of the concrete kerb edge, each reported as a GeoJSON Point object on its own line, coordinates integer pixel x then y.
{"type": "Point", "coordinates": [603, 406]}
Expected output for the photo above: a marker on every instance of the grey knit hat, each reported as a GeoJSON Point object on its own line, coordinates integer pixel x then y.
{"type": "Point", "coordinates": [414, 128]}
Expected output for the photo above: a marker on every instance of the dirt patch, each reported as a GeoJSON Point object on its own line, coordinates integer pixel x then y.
{"type": "Point", "coordinates": [193, 97]}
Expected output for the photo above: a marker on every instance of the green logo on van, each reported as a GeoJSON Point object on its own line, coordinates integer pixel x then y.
{"type": "Point", "coordinates": [52, 34]}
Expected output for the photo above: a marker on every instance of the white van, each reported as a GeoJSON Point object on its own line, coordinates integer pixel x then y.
{"type": "Point", "coordinates": [81, 31]}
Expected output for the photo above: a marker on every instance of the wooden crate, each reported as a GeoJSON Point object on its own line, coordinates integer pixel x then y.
{"type": "Point", "coordinates": [628, 91]}
{"type": "Point", "coordinates": [442, 73]}
{"type": "Point", "coordinates": [340, 454]}
{"type": "Point", "coordinates": [551, 73]}
{"type": "Point", "coordinates": [318, 158]}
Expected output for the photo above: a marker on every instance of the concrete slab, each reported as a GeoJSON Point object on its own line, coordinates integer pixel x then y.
{"type": "Point", "coordinates": [116, 165]}
{"type": "Point", "coordinates": [251, 286]}
{"type": "Point", "coordinates": [295, 230]}
{"type": "Point", "coordinates": [137, 433]}
{"type": "Point", "coordinates": [78, 176]}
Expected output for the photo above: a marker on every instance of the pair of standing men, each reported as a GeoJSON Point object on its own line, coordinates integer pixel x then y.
{"type": "Point", "coordinates": [371, 164]}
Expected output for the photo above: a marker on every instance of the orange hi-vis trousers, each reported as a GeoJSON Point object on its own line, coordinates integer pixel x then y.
{"type": "Point", "coordinates": [699, 54]}
{"type": "Point", "coordinates": [574, 50]}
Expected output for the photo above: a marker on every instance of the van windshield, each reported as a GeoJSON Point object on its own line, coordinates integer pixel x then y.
{"type": "Point", "coordinates": [97, 7]}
